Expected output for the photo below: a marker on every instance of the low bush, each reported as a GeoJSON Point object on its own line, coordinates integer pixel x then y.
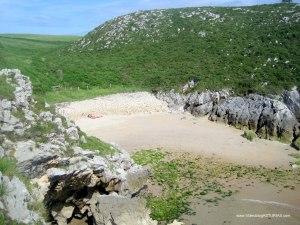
{"type": "Point", "coordinates": [249, 135]}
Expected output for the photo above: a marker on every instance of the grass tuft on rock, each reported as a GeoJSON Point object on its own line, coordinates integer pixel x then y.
{"type": "Point", "coordinates": [98, 146]}
{"type": "Point", "coordinates": [5, 221]}
{"type": "Point", "coordinates": [2, 189]}
{"type": "Point", "coordinates": [249, 135]}
{"type": "Point", "coordinates": [39, 131]}
{"type": "Point", "coordinates": [8, 166]}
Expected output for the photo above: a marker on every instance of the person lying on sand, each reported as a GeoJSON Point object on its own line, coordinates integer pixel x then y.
{"type": "Point", "coordinates": [94, 116]}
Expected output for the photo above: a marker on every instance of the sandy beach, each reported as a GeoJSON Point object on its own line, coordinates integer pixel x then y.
{"type": "Point", "coordinates": [136, 121]}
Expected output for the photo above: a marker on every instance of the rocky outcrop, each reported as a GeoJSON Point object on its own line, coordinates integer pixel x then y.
{"type": "Point", "coordinates": [292, 101]}
{"type": "Point", "coordinates": [268, 117]}
{"type": "Point", "coordinates": [72, 183]}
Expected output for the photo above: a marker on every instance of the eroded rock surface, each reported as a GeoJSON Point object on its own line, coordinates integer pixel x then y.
{"type": "Point", "coordinates": [72, 183]}
{"type": "Point", "coordinates": [268, 117]}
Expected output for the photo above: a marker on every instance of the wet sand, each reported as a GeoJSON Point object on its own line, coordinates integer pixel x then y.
{"type": "Point", "coordinates": [257, 204]}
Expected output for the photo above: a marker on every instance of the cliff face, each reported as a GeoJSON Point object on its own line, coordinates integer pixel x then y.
{"type": "Point", "coordinates": [51, 171]}
{"type": "Point", "coordinates": [270, 117]}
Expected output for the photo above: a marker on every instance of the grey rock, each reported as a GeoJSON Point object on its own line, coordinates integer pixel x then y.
{"type": "Point", "coordinates": [67, 180]}
{"type": "Point", "coordinates": [264, 115]}
{"type": "Point", "coordinates": [58, 122]}
{"type": "Point", "coordinates": [2, 152]}
{"type": "Point", "coordinates": [67, 212]}
{"type": "Point", "coordinates": [292, 100]}
{"type": "Point", "coordinates": [16, 199]}
{"type": "Point", "coordinates": [29, 115]}
{"type": "Point", "coordinates": [46, 116]}
{"type": "Point", "coordinates": [5, 104]}
{"type": "Point", "coordinates": [72, 133]}
{"type": "Point", "coordinates": [269, 117]}
{"type": "Point", "coordinates": [26, 150]}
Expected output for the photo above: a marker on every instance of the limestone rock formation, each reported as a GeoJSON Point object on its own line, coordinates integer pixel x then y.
{"type": "Point", "coordinates": [70, 182]}
{"type": "Point", "coordinates": [268, 117]}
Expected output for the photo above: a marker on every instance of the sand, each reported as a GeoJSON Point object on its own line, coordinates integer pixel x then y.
{"type": "Point", "coordinates": [138, 121]}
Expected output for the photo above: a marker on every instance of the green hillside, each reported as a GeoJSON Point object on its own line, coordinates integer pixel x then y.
{"type": "Point", "coordinates": [247, 49]}
{"type": "Point", "coordinates": [28, 52]}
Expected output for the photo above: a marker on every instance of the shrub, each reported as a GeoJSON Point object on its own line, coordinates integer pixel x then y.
{"type": "Point", "coordinates": [249, 135]}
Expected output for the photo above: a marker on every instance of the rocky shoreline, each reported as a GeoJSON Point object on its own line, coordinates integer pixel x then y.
{"type": "Point", "coordinates": [274, 117]}
{"type": "Point", "coordinates": [54, 175]}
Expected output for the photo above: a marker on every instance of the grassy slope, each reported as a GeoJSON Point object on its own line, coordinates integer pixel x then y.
{"type": "Point", "coordinates": [247, 49]}
{"type": "Point", "coordinates": [25, 51]}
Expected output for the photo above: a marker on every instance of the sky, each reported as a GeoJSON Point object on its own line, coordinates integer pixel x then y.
{"type": "Point", "coordinates": [80, 16]}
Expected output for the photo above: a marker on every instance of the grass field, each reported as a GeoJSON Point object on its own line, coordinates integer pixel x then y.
{"type": "Point", "coordinates": [23, 51]}
{"type": "Point", "coordinates": [247, 49]}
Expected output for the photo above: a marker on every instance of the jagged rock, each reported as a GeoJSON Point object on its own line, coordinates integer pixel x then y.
{"type": "Point", "coordinates": [58, 122]}
{"type": "Point", "coordinates": [266, 116]}
{"type": "Point", "coordinates": [23, 92]}
{"type": "Point", "coordinates": [202, 103]}
{"type": "Point", "coordinates": [67, 176]}
{"type": "Point", "coordinates": [26, 150]}
{"type": "Point", "coordinates": [38, 165]}
{"type": "Point", "coordinates": [46, 116]}
{"type": "Point", "coordinates": [5, 104]}
{"type": "Point", "coordinates": [292, 100]}
{"type": "Point", "coordinates": [72, 133]}
{"type": "Point", "coordinates": [15, 200]}
{"type": "Point", "coordinates": [175, 100]}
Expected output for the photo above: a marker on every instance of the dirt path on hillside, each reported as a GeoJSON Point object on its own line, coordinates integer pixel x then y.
{"type": "Point", "coordinates": [140, 121]}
